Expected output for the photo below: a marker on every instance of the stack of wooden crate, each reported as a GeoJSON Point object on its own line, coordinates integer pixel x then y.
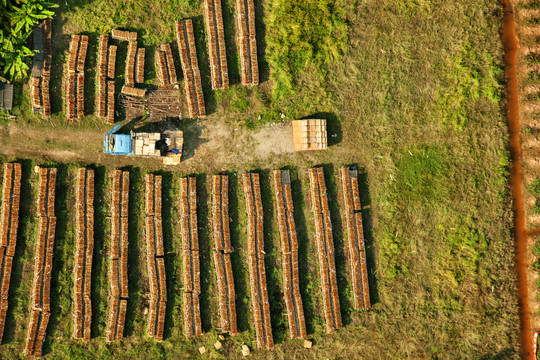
{"type": "Point", "coordinates": [289, 249]}
{"type": "Point", "coordinates": [310, 134]}
{"type": "Point", "coordinates": [122, 35]}
{"type": "Point", "coordinates": [357, 249]}
{"type": "Point", "coordinates": [75, 76]}
{"type": "Point", "coordinates": [41, 73]}
{"type": "Point", "coordinates": [216, 44]}
{"type": "Point", "coordinates": [82, 313]}
{"type": "Point", "coordinates": [155, 257]}
{"type": "Point", "coordinates": [190, 68]}
{"type": "Point", "coordinates": [222, 254]}
{"type": "Point", "coordinates": [257, 272]}
{"type": "Point", "coordinates": [8, 235]}
{"type": "Point", "coordinates": [247, 42]}
{"type": "Point", "coordinates": [325, 247]}
{"type": "Point", "coordinates": [190, 256]}
{"type": "Point", "coordinates": [41, 306]}
{"type": "Point", "coordinates": [118, 271]}
{"type": "Point", "coordinates": [139, 65]}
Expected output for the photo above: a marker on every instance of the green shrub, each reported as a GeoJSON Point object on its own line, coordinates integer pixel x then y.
{"type": "Point", "coordinates": [301, 35]}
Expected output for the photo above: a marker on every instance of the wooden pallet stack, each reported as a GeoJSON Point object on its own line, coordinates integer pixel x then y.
{"type": "Point", "coordinates": [357, 249]}
{"type": "Point", "coordinates": [247, 42]}
{"type": "Point", "coordinates": [101, 96]}
{"type": "Point", "coordinates": [289, 247]}
{"type": "Point", "coordinates": [105, 79]}
{"type": "Point", "coordinates": [41, 306]}
{"type": "Point", "coordinates": [257, 272]}
{"type": "Point", "coordinates": [122, 35]}
{"type": "Point", "coordinates": [190, 68]}
{"type": "Point", "coordinates": [190, 256]}
{"type": "Point", "coordinates": [161, 66]}
{"type": "Point", "coordinates": [139, 65]}
{"type": "Point", "coordinates": [75, 76]}
{"type": "Point", "coordinates": [41, 77]}
{"type": "Point", "coordinates": [222, 254]}
{"type": "Point", "coordinates": [310, 134]}
{"type": "Point", "coordinates": [130, 63]}
{"type": "Point", "coordinates": [133, 91]}
{"type": "Point", "coordinates": [111, 66]}
{"type": "Point", "coordinates": [118, 270]}
{"type": "Point", "coordinates": [165, 66]}
{"type": "Point", "coordinates": [155, 257]}
{"type": "Point", "coordinates": [325, 247]}
{"type": "Point", "coordinates": [11, 197]}
{"type": "Point", "coordinates": [216, 44]}
{"type": "Point", "coordinates": [84, 203]}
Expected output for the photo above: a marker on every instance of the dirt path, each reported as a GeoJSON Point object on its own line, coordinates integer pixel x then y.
{"type": "Point", "coordinates": [510, 43]}
{"type": "Point", "coordinates": [207, 144]}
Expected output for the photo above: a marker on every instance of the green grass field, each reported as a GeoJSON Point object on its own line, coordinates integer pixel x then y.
{"type": "Point", "coordinates": [413, 94]}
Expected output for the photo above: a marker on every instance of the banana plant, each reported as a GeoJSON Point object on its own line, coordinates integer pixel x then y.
{"type": "Point", "coordinates": [17, 20]}
{"type": "Point", "coordinates": [30, 13]}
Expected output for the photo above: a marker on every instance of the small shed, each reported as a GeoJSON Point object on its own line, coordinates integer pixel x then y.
{"type": "Point", "coordinates": [6, 96]}
{"type": "Point", "coordinates": [310, 134]}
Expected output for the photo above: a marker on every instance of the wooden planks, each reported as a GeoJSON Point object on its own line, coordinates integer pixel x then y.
{"type": "Point", "coordinates": [325, 247]}
{"type": "Point", "coordinates": [289, 247]}
{"type": "Point", "coordinates": [257, 271]}
{"type": "Point", "coordinates": [118, 270]}
{"type": "Point", "coordinates": [247, 42]}
{"type": "Point", "coordinates": [139, 65]}
{"type": "Point", "coordinates": [190, 256]}
{"type": "Point", "coordinates": [130, 63]}
{"type": "Point", "coordinates": [11, 197]}
{"type": "Point", "coordinates": [75, 76]}
{"type": "Point", "coordinates": [356, 246]}
{"type": "Point", "coordinates": [106, 70]}
{"type": "Point", "coordinates": [40, 311]}
{"type": "Point", "coordinates": [216, 44]}
{"type": "Point", "coordinates": [39, 83]}
{"type": "Point", "coordinates": [165, 66]}
{"type": "Point", "coordinates": [190, 68]}
{"type": "Point", "coordinates": [222, 254]}
{"type": "Point", "coordinates": [84, 204]}
{"type": "Point", "coordinates": [310, 134]}
{"type": "Point", "coordinates": [155, 257]}
{"type": "Point", "coordinates": [123, 35]}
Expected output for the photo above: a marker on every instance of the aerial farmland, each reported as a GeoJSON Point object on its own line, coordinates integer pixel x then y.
{"type": "Point", "coordinates": [268, 179]}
